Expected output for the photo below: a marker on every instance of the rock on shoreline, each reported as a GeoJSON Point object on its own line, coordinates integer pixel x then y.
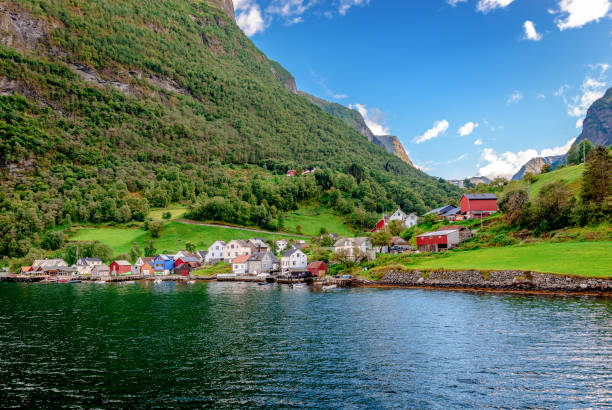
{"type": "Point", "coordinates": [496, 280]}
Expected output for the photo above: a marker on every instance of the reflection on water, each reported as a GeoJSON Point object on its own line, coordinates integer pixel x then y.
{"type": "Point", "coordinates": [237, 344]}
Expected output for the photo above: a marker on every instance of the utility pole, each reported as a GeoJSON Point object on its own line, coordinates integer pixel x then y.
{"type": "Point", "coordinates": [583, 152]}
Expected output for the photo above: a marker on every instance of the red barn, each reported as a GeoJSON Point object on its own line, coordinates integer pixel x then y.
{"type": "Point", "coordinates": [291, 173]}
{"type": "Point", "coordinates": [438, 240]}
{"type": "Point", "coordinates": [317, 268]}
{"type": "Point", "coordinates": [478, 205]}
{"type": "Point", "coordinates": [184, 265]}
{"type": "Point", "coordinates": [120, 268]}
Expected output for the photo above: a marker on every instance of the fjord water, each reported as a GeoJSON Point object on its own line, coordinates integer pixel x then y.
{"type": "Point", "coordinates": [235, 345]}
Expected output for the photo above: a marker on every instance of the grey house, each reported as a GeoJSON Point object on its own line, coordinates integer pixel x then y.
{"type": "Point", "coordinates": [262, 262]}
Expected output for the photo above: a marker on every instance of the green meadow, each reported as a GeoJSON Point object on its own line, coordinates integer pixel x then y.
{"type": "Point", "coordinates": [572, 175]}
{"type": "Point", "coordinates": [173, 237]}
{"type": "Point", "coordinates": [313, 218]}
{"type": "Point", "coordinates": [573, 258]}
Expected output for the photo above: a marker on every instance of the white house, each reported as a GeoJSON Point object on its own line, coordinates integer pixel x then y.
{"type": "Point", "coordinates": [399, 215]}
{"type": "Point", "coordinates": [293, 259]}
{"type": "Point", "coordinates": [352, 248]}
{"type": "Point", "coordinates": [236, 248]}
{"type": "Point", "coordinates": [281, 245]}
{"type": "Point", "coordinates": [215, 252]}
{"type": "Point", "coordinates": [239, 264]}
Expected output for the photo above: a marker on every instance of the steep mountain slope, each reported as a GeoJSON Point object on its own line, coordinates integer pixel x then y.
{"type": "Point", "coordinates": [107, 111]}
{"type": "Point", "coordinates": [597, 128]}
{"type": "Point", "coordinates": [597, 125]}
{"type": "Point", "coordinates": [535, 165]}
{"type": "Point", "coordinates": [353, 119]}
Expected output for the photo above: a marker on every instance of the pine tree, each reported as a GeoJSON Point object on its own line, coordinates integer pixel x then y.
{"type": "Point", "coordinates": [597, 178]}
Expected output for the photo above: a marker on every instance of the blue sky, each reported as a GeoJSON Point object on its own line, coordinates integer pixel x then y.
{"type": "Point", "coordinates": [471, 87]}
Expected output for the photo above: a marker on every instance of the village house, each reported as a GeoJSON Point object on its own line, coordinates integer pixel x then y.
{"type": "Point", "coordinates": [464, 232]}
{"type": "Point", "coordinates": [293, 259]}
{"type": "Point", "coordinates": [408, 221]}
{"type": "Point", "coordinates": [163, 264]}
{"type": "Point", "coordinates": [202, 255]}
{"type": "Point", "coordinates": [439, 212]}
{"type": "Point", "coordinates": [262, 262]}
{"type": "Point", "coordinates": [181, 254]}
{"type": "Point", "coordinates": [239, 264]}
{"type": "Point", "coordinates": [139, 267]}
{"type": "Point", "coordinates": [41, 264]}
{"type": "Point", "coordinates": [99, 271]}
{"type": "Point", "coordinates": [354, 248]}
{"type": "Point", "coordinates": [184, 265]}
{"type": "Point", "coordinates": [438, 240]}
{"type": "Point", "coordinates": [236, 248]}
{"type": "Point", "coordinates": [215, 252]}
{"type": "Point", "coordinates": [281, 245]}
{"type": "Point", "coordinates": [89, 261]}
{"type": "Point", "coordinates": [83, 269]}
{"type": "Point", "coordinates": [120, 267]}
{"type": "Point", "coordinates": [399, 245]}
{"type": "Point", "coordinates": [291, 173]}
{"type": "Point", "coordinates": [259, 245]}
{"type": "Point", "coordinates": [25, 269]}
{"type": "Point", "coordinates": [478, 205]}
{"type": "Point", "coordinates": [318, 268]}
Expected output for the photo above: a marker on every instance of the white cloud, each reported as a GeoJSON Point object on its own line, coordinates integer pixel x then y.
{"type": "Point", "coordinates": [345, 5]}
{"type": "Point", "coordinates": [323, 83]}
{"type": "Point", "coordinates": [374, 119]}
{"type": "Point", "coordinates": [467, 128]}
{"type": "Point", "coordinates": [561, 90]}
{"type": "Point", "coordinates": [601, 67]}
{"type": "Point", "coordinates": [248, 17]}
{"type": "Point", "coordinates": [455, 2]}
{"type": "Point", "coordinates": [439, 127]}
{"type": "Point", "coordinates": [507, 164]}
{"type": "Point", "coordinates": [459, 158]}
{"type": "Point", "coordinates": [478, 142]}
{"type": "Point", "coordinates": [531, 32]}
{"type": "Point", "coordinates": [289, 8]}
{"type": "Point", "coordinates": [541, 96]}
{"type": "Point", "coordinates": [514, 98]}
{"type": "Point", "coordinates": [577, 13]}
{"type": "Point", "coordinates": [590, 91]}
{"type": "Point", "coordinates": [487, 5]}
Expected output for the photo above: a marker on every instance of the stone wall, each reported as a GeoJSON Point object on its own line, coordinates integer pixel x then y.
{"type": "Point", "coordinates": [500, 280]}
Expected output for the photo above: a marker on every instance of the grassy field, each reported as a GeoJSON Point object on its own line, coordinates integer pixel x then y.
{"type": "Point", "coordinates": [313, 218]}
{"type": "Point", "coordinates": [176, 211]}
{"type": "Point", "coordinates": [572, 175]}
{"type": "Point", "coordinates": [574, 258]}
{"type": "Point", "coordinates": [173, 238]}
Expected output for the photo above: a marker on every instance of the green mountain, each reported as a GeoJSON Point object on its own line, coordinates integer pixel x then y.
{"type": "Point", "coordinates": [109, 110]}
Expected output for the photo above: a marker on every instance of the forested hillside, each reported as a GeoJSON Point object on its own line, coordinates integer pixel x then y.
{"type": "Point", "coordinates": [108, 111]}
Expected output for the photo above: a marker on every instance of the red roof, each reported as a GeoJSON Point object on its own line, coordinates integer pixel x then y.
{"type": "Point", "coordinates": [241, 259]}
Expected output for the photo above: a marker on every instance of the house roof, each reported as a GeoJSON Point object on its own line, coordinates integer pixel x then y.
{"type": "Point", "coordinates": [89, 260]}
{"type": "Point", "coordinates": [399, 240]}
{"type": "Point", "coordinates": [317, 265]}
{"type": "Point", "coordinates": [355, 241]}
{"type": "Point", "coordinates": [123, 263]}
{"type": "Point", "coordinates": [258, 256]}
{"type": "Point", "coordinates": [453, 211]}
{"type": "Point", "coordinates": [481, 196]}
{"type": "Point", "coordinates": [241, 259]}
{"type": "Point", "coordinates": [290, 252]}
{"type": "Point", "coordinates": [26, 268]}
{"type": "Point", "coordinates": [188, 259]}
{"type": "Point", "coordinates": [202, 253]}
{"type": "Point", "coordinates": [440, 210]}
{"type": "Point", "coordinates": [189, 254]}
{"type": "Point", "coordinates": [146, 259]}
{"type": "Point", "coordinates": [444, 232]}
{"type": "Point", "coordinates": [101, 267]}
{"type": "Point", "coordinates": [451, 228]}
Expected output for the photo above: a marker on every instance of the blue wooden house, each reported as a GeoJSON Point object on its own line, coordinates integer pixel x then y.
{"type": "Point", "coordinates": [163, 264]}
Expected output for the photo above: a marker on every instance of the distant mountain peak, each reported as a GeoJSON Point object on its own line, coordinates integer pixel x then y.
{"type": "Point", "coordinates": [226, 5]}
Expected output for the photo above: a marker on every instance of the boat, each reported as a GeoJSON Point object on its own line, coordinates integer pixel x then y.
{"type": "Point", "coordinates": [299, 285]}
{"type": "Point", "coordinates": [101, 281]}
{"type": "Point", "coordinates": [158, 281]}
{"type": "Point", "coordinates": [191, 282]}
{"type": "Point", "coordinates": [73, 281]}
{"type": "Point", "coordinates": [262, 283]}
{"type": "Point", "coordinates": [329, 287]}
{"type": "Point", "coordinates": [129, 282]}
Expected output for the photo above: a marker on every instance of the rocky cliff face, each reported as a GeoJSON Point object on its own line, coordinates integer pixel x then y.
{"type": "Point", "coordinates": [597, 126]}
{"type": "Point", "coordinates": [226, 5]}
{"type": "Point", "coordinates": [352, 118]}
{"type": "Point", "coordinates": [393, 145]}
{"type": "Point", "coordinates": [535, 165]}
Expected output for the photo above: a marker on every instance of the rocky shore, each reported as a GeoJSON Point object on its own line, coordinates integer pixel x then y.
{"type": "Point", "coordinates": [505, 280]}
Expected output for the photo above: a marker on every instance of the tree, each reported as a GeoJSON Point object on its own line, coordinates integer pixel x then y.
{"type": "Point", "coordinates": [546, 168]}
{"type": "Point", "coordinates": [135, 253]}
{"type": "Point", "coordinates": [190, 246]}
{"type": "Point", "coordinates": [298, 229]}
{"type": "Point", "coordinates": [381, 238]}
{"type": "Point", "coordinates": [530, 177]}
{"type": "Point", "coordinates": [167, 215]}
{"type": "Point", "coordinates": [553, 206]}
{"type": "Point", "coordinates": [467, 183]}
{"type": "Point", "coordinates": [597, 177]}
{"type": "Point", "coordinates": [52, 241]}
{"type": "Point", "coordinates": [323, 231]}
{"type": "Point", "coordinates": [122, 257]}
{"type": "Point", "coordinates": [513, 206]}
{"type": "Point", "coordinates": [150, 250]}
{"type": "Point", "coordinates": [155, 228]}
{"type": "Point", "coordinates": [396, 227]}
{"type": "Point", "coordinates": [578, 153]}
